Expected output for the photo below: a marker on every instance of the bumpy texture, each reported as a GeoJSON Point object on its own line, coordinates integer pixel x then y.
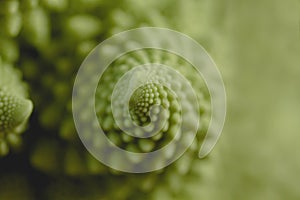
{"type": "Point", "coordinates": [78, 34]}
{"type": "Point", "coordinates": [54, 38]}
{"type": "Point", "coordinates": [255, 45]}
{"type": "Point", "coordinates": [160, 101]}
{"type": "Point", "coordinates": [77, 162]}
{"type": "Point", "coordinates": [15, 108]}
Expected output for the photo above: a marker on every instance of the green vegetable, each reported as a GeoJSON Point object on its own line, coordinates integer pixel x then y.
{"type": "Point", "coordinates": [256, 47]}
{"type": "Point", "coordinates": [163, 96]}
{"type": "Point", "coordinates": [15, 108]}
{"type": "Point", "coordinates": [54, 37]}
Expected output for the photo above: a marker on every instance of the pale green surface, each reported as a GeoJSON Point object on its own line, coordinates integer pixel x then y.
{"type": "Point", "coordinates": [260, 143]}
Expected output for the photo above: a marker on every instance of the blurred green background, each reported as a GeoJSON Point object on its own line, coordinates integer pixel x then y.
{"type": "Point", "coordinates": [256, 45]}
{"type": "Point", "coordinates": [260, 142]}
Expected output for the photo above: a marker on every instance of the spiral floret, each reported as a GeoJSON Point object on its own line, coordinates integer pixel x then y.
{"type": "Point", "coordinates": [161, 107]}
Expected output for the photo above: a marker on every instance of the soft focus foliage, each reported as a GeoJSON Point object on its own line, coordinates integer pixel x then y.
{"type": "Point", "coordinates": [254, 43]}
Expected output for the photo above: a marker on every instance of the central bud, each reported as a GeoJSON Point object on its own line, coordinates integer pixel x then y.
{"type": "Point", "coordinates": [141, 102]}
